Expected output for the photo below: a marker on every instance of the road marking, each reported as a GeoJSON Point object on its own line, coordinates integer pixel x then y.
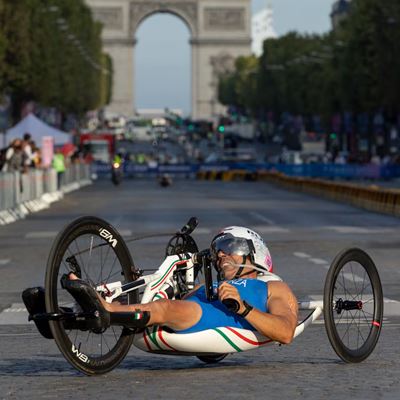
{"type": "Point", "coordinates": [321, 321]}
{"type": "Point", "coordinates": [301, 255]}
{"type": "Point", "coordinates": [319, 261]}
{"type": "Point", "coordinates": [391, 307]}
{"type": "Point", "coordinates": [261, 217]}
{"type": "Point", "coordinates": [125, 232]}
{"type": "Point", "coordinates": [203, 231]}
{"type": "Point", "coordinates": [41, 235]}
{"type": "Point", "coordinates": [4, 261]}
{"type": "Point", "coordinates": [271, 229]}
{"type": "Point", "coordinates": [15, 315]}
{"type": "Point", "coordinates": [352, 277]}
{"type": "Point", "coordinates": [359, 229]}
{"type": "Point", "coordinates": [16, 309]}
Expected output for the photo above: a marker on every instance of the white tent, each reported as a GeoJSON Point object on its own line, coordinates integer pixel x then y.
{"type": "Point", "coordinates": [37, 128]}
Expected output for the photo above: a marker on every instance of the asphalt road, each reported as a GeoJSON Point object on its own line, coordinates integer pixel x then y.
{"type": "Point", "coordinates": [304, 234]}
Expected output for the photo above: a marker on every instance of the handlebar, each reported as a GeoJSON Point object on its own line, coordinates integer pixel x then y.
{"type": "Point", "coordinates": [190, 226]}
{"type": "Point", "coordinates": [204, 257]}
{"type": "Point", "coordinates": [231, 304]}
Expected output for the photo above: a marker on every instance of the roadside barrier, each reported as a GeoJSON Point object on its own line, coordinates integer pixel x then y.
{"type": "Point", "coordinates": [35, 190]}
{"type": "Point", "coordinates": [372, 198]}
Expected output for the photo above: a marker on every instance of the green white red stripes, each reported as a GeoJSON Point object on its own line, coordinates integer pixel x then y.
{"type": "Point", "coordinates": [165, 275]}
{"type": "Point", "coordinates": [155, 336]}
{"type": "Point", "coordinates": [218, 340]}
{"type": "Point", "coordinates": [243, 339]}
{"type": "Point", "coordinates": [160, 295]}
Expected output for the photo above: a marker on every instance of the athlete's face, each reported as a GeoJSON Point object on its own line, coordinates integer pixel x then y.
{"type": "Point", "coordinates": [228, 263]}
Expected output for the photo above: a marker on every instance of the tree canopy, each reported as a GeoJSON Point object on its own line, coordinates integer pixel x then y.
{"type": "Point", "coordinates": [51, 53]}
{"type": "Point", "coordinates": [354, 68]}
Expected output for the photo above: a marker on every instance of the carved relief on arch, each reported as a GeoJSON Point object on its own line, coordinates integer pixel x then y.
{"type": "Point", "coordinates": [222, 63]}
{"type": "Point", "coordinates": [187, 10]}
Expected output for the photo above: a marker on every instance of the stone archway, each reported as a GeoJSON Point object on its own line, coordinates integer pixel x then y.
{"type": "Point", "coordinates": [220, 31]}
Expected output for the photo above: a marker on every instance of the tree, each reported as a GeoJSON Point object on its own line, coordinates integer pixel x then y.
{"type": "Point", "coordinates": [51, 53]}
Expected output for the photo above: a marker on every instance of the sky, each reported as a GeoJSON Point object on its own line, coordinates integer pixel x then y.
{"type": "Point", "coordinates": [163, 57]}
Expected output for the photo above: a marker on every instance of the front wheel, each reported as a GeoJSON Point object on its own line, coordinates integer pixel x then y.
{"type": "Point", "coordinates": [93, 250]}
{"type": "Point", "coordinates": [353, 305]}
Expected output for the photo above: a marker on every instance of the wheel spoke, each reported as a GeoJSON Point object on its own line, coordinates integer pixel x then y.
{"type": "Point", "coordinates": [353, 278]}
{"type": "Point", "coordinates": [96, 263]}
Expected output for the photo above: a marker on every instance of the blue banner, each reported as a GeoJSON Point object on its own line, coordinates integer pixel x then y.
{"type": "Point", "coordinates": [327, 171]}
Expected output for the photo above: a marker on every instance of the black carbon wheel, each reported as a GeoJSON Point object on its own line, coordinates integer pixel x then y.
{"type": "Point", "coordinates": [92, 248]}
{"type": "Point", "coordinates": [353, 305]}
{"type": "Point", "coordinates": [212, 359]}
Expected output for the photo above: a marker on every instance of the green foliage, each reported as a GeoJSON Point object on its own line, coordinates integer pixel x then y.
{"type": "Point", "coordinates": [51, 53]}
{"type": "Point", "coordinates": [355, 68]}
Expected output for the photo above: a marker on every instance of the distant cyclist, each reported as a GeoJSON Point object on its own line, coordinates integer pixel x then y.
{"type": "Point", "coordinates": [117, 158]}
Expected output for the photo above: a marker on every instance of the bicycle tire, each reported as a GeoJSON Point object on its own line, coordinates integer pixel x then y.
{"type": "Point", "coordinates": [212, 359]}
{"type": "Point", "coordinates": [101, 238]}
{"type": "Point", "coordinates": [365, 309]}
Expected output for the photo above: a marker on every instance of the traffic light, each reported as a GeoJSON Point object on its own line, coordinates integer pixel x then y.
{"type": "Point", "coordinates": [333, 136]}
{"type": "Point", "coordinates": [221, 128]}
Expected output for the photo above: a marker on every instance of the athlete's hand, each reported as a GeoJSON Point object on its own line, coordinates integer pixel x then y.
{"type": "Point", "coordinates": [227, 291]}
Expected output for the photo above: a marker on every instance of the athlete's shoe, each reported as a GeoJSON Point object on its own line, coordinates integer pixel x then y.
{"type": "Point", "coordinates": [88, 299]}
{"type": "Point", "coordinates": [33, 299]}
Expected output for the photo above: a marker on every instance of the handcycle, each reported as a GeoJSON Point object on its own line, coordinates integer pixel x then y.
{"type": "Point", "coordinates": [94, 250]}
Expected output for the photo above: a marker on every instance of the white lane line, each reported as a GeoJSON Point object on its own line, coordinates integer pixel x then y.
{"type": "Point", "coordinates": [261, 217]}
{"type": "Point", "coordinates": [359, 229]}
{"type": "Point", "coordinates": [301, 255]}
{"type": "Point", "coordinates": [319, 261]}
{"type": "Point", "coordinates": [391, 306]}
{"type": "Point", "coordinates": [203, 231]}
{"type": "Point", "coordinates": [16, 309]}
{"type": "Point", "coordinates": [352, 277]}
{"type": "Point", "coordinates": [4, 261]}
{"type": "Point", "coordinates": [41, 235]}
{"type": "Point", "coordinates": [349, 321]}
{"type": "Point", "coordinates": [125, 232]}
{"type": "Point", "coordinates": [270, 229]}
{"type": "Point", "coordinates": [15, 315]}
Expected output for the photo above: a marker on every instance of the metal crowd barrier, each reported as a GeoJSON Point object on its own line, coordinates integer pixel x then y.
{"type": "Point", "coordinates": [17, 188]}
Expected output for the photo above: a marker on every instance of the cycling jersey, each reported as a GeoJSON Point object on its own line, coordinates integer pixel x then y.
{"type": "Point", "coordinates": [215, 314]}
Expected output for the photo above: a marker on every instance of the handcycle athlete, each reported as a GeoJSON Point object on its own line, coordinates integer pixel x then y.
{"type": "Point", "coordinates": [96, 303]}
{"type": "Point", "coordinates": [239, 254]}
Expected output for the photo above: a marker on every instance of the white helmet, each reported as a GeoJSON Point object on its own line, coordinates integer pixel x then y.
{"type": "Point", "coordinates": [244, 242]}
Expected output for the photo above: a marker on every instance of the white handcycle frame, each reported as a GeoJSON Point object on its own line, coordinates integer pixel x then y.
{"type": "Point", "coordinates": [220, 340]}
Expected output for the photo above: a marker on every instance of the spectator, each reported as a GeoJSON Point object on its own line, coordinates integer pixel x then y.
{"type": "Point", "coordinates": [14, 157]}
{"type": "Point", "coordinates": [36, 156]}
{"type": "Point", "coordinates": [59, 166]}
{"type": "Point", "coordinates": [27, 151]}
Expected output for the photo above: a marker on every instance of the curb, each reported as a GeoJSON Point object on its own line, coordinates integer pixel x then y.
{"type": "Point", "coordinates": [22, 210]}
{"type": "Point", "coordinates": [373, 198]}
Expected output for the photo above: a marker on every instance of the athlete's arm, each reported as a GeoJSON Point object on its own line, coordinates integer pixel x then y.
{"type": "Point", "coordinates": [280, 322]}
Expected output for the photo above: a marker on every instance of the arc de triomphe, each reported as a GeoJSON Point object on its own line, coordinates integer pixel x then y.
{"type": "Point", "coordinates": [220, 31]}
